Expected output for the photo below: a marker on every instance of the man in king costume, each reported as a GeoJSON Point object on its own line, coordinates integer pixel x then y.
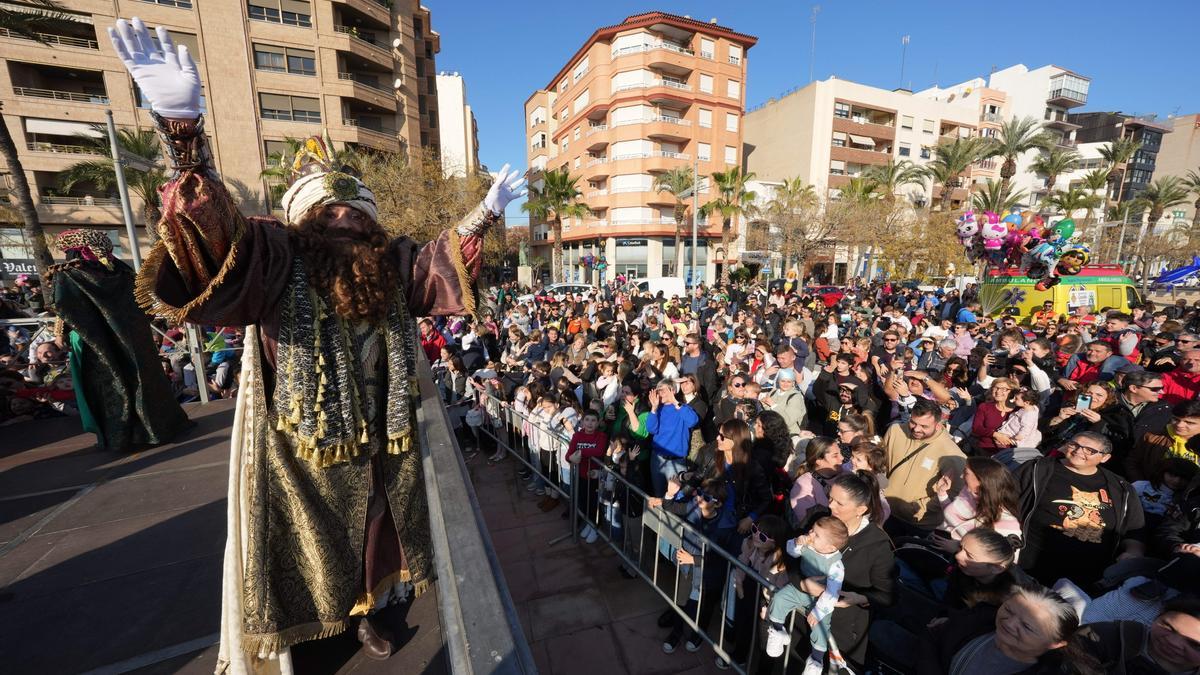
{"type": "Point", "coordinates": [122, 393]}
{"type": "Point", "coordinates": [327, 516]}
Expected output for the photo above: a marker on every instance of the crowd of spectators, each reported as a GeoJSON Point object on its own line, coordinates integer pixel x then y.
{"type": "Point", "coordinates": [920, 482]}
{"type": "Point", "coordinates": [35, 369]}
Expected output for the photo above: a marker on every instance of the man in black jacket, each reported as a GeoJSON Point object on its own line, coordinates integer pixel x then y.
{"type": "Point", "coordinates": [1076, 516]}
{"type": "Point", "coordinates": [1138, 411]}
{"type": "Point", "coordinates": [697, 361]}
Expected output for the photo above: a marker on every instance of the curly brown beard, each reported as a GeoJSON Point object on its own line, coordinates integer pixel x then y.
{"type": "Point", "coordinates": [352, 272]}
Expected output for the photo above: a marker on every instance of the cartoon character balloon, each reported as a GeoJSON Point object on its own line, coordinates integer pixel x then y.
{"type": "Point", "coordinates": [967, 228]}
{"type": "Point", "coordinates": [994, 234]}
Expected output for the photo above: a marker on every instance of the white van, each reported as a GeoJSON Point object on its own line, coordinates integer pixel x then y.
{"type": "Point", "coordinates": [670, 286]}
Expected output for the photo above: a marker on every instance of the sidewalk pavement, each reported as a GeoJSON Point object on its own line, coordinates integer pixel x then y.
{"type": "Point", "coordinates": [113, 562]}
{"type": "Point", "coordinates": [579, 614]}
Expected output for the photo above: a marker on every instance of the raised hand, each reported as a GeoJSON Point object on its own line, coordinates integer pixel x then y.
{"type": "Point", "coordinates": [166, 74]}
{"type": "Point", "coordinates": [508, 186]}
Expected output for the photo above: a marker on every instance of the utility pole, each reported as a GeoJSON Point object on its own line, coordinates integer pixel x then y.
{"type": "Point", "coordinates": [695, 209]}
{"type": "Point", "coordinates": [123, 191]}
{"type": "Point", "coordinates": [903, 56]}
{"type": "Point", "coordinates": [812, 56]}
{"type": "Point", "coordinates": [1121, 241]}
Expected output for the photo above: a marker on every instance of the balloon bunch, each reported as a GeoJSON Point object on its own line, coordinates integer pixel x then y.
{"type": "Point", "coordinates": [1023, 239]}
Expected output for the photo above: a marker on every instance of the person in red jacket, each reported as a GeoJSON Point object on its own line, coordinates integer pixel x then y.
{"type": "Point", "coordinates": [1183, 383]}
{"type": "Point", "coordinates": [431, 340]}
{"type": "Point", "coordinates": [587, 443]}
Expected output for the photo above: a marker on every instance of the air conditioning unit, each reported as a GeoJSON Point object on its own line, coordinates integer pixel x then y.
{"type": "Point", "coordinates": [398, 83]}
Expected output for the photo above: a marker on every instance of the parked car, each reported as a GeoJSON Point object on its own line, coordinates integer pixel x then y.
{"type": "Point", "coordinates": [556, 292]}
{"type": "Point", "coordinates": [670, 286]}
{"type": "Point", "coordinates": [830, 295]}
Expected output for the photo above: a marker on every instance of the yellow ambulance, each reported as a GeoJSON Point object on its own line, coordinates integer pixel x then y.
{"type": "Point", "coordinates": [1096, 286]}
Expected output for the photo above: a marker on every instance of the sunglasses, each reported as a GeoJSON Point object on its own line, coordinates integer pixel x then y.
{"type": "Point", "coordinates": [1158, 388]}
{"type": "Point", "coordinates": [737, 385]}
{"type": "Point", "coordinates": [759, 534]}
{"type": "Point", "coordinates": [707, 498]}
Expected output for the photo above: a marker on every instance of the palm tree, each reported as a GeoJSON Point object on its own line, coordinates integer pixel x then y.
{"type": "Point", "coordinates": [555, 200]}
{"type": "Point", "coordinates": [1074, 199]}
{"type": "Point", "coordinates": [1192, 183]}
{"type": "Point", "coordinates": [28, 24]}
{"type": "Point", "coordinates": [1095, 182]}
{"type": "Point", "coordinates": [1118, 153]}
{"type": "Point", "coordinates": [860, 190]}
{"type": "Point", "coordinates": [1016, 137]}
{"type": "Point", "coordinates": [138, 144]}
{"type": "Point", "coordinates": [679, 183]}
{"type": "Point", "coordinates": [997, 197]}
{"type": "Point", "coordinates": [1053, 162]}
{"type": "Point", "coordinates": [951, 161]}
{"type": "Point", "coordinates": [733, 199]}
{"type": "Point", "coordinates": [1161, 195]}
{"type": "Point", "coordinates": [793, 200]}
{"type": "Point", "coordinates": [893, 176]}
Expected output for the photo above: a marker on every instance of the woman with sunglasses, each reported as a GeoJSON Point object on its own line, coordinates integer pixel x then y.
{"type": "Point", "coordinates": [749, 487]}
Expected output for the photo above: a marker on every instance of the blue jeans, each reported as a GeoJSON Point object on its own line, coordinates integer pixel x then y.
{"type": "Point", "coordinates": [662, 469]}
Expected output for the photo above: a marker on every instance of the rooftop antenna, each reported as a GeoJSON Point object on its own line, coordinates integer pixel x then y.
{"type": "Point", "coordinates": [812, 56]}
{"type": "Point", "coordinates": [903, 56]}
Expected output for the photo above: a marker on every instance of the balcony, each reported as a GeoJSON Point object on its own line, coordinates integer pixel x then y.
{"type": "Point", "coordinates": [1068, 90]}
{"type": "Point", "coordinates": [853, 155]}
{"type": "Point", "coordinates": [595, 161]}
{"type": "Point", "coordinates": [59, 148]}
{"type": "Point", "coordinates": [597, 193]}
{"type": "Point", "coordinates": [366, 81]}
{"type": "Point", "coordinates": [864, 128]}
{"type": "Point", "coordinates": [86, 200]}
{"type": "Point", "coordinates": [180, 4]}
{"type": "Point", "coordinates": [54, 40]}
{"type": "Point", "coordinates": [59, 95]}
{"type": "Point", "coordinates": [1060, 122]}
{"type": "Point", "coordinates": [377, 11]}
{"type": "Point", "coordinates": [365, 37]}
{"type": "Point", "coordinates": [994, 118]}
{"type": "Point", "coordinates": [648, 47]}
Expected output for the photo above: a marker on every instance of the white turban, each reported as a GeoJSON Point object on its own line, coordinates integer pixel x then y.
{"type": "Point", "coordinates": [324, 188]}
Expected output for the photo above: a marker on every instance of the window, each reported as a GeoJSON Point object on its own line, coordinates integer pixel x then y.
{"type": "Point", "coordinates": [289, 12]}
{"type": "Point", "coordinates": [284, 60]}
{"type": "Point", "coordinates": [841, 110]}
{"type": "Point", "coordinates": [1178, 215]}
{"type": "Point", "coordinates": [905, 150]}
{"type": "Point", "coordinates": [735, 55]}
{"type": "Point", "coordinates": [925, 152]}
{"type": "Point", "coordinates": [538, 116]}
{"type": "Point", "coordinates": [733, 89]}
{"type": "Point", "coordinates": [580, 69]}
{"type": "Point", "coordinates": [577, 160]}
{"type": "Point", "coordinates": [577, 133]}
{"type": "Point", "coordinates": [705, 118]}
{"type": "Point", "coordinates": [707, 48]}
{"type": "Point", "coordinates": [839, 139]}
{"type": "Point", "coordinates": [730, 154]}
{"type": "Point", "coordinates": [927, 126]}
{"type": "Point", "coordinates": [564, 145]}
{"type": "Point", "coordinates": [906, 121]}
{"type": "Point", "coordinates": [837, 167]}
{"type": "Point", "coordinates": [704, 152]}
{"type": "Point", "coordinates": [731, 122]}
{"type": "Point", "coordinates": [581, 101]}
{"type": "Point", "coordinates": [706, 83]}
{"type": "Point", "coordinates": [293, 108]}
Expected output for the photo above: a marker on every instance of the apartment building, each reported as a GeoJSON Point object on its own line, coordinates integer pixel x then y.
{"type": "Point", "coordinates": [1047, 94]}
{"type": "Point", "coordinates": [833, 130]}
{"type": "Point", "coordinates": [1103, 128]}
{"type": "Point", "coordinates": [1179, 154]}
{"type": "Point", "coordinates": [653, 93]}
{"type": "Point", "coordinates": [271, 69]}
{"type": "Point", "coordinates": [457, 128]}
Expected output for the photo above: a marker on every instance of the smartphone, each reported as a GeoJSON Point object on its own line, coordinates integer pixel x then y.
{"type": "Point", "coordinates": [1083, 402]}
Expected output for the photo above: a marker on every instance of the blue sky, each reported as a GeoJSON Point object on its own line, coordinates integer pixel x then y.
{"type": "Point", "coordinates": [1141, 57]}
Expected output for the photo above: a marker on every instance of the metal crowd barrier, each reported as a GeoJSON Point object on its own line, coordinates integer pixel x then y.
{"type": "Point", "coordinates": [524, 436]}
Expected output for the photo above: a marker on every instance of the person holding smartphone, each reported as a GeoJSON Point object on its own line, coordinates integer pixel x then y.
{"type": "Point", "coordinates": [1085, 412]}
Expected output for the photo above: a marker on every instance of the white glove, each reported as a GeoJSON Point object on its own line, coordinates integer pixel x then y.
{"type": "Point", "coordinates": [167, 76]}
{"type": "Point", "coordinates": [507, 187]}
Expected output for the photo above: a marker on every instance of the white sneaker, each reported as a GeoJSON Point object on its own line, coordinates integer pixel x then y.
{"type": "Point", "coordinates": [586, 531]}
{"type": "Point", "coordinates": [777, 641]}
{"type": "Point", "coordinates": [813, 667]}
{"type": "Point", "coordinates": [592, 536]}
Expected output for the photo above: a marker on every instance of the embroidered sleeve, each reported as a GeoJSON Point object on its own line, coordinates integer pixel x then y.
{"type": "Point", "coordinates": [200, 224]}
